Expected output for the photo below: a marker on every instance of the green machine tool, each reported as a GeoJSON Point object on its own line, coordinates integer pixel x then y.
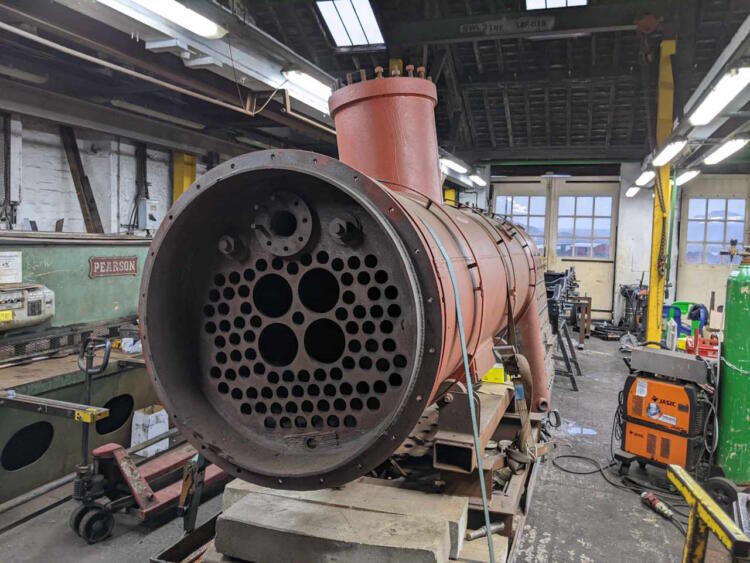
{"type": "Point", "coordinates": [734, 392]}
{"type": "Point", "coordinates": [57, 287]}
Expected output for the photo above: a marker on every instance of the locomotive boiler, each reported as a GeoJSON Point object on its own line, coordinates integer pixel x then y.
{"type": "Point", "coordinates": [297, 313]}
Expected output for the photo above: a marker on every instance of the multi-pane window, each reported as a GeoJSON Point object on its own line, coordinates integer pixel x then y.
{"type": "Point", "coordinates": [525, 211]}
{"type": "Point", "coordinates": [547, 4]}
{"type": "Point", "coordinates": [584, 226]}
{"type": "Point", "coordinates": [712, 223]}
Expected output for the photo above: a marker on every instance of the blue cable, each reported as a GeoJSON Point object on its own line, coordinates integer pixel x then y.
{"type": "Point", "coordinates": [470, 388]}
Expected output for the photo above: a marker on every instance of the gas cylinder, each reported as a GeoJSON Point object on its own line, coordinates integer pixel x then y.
{"type": "Point", "coordinates": [734, 392]}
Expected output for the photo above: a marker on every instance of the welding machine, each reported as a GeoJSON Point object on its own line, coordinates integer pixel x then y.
{"type": "Point", "coordinates": [667, 410]}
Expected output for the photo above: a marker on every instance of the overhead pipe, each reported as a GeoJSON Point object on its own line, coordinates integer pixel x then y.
{"type": "Point", "coordinates": [313, 320]}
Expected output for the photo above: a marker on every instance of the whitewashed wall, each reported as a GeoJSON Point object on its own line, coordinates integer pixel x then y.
{"type": "Point", "coordinates": [477, 197]}
{"type": "Point", "coordinates": [634, 226]}
{"type": "Point", "coordinates": [47, 192]}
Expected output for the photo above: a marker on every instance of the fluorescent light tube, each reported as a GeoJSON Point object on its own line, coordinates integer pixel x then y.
{"type": "Point", "coordinates": [453, 165]}
{"type": "Point", "coordinates": [308, 90]}
{"type": "Point", "coordinates": [645, 178]}
{"type": "Point", "coordinates": [726, 149]}
{"type": "Point", "coordinates": [122, 104]}
{"type": "Point", "coordinates": [632, 190]}
{"type": "Point", "coordinates": [173, 11]}
{"type": "Point", "coordinates": [669, 152]}
{"type": "Point", "coordinates": [478, 180]}
{"type": "Point", "coordinates": [686, 176]}
{"type": "Point", "coordinates": [726, 89]}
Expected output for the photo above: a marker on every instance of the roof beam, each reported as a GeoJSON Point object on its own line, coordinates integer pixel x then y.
{"type": "Point", "coordinates": [474, 44]}
{"type": "Point", "coordinates": [70, 26]}
{"type": "Point", "coordinates": [538, 23]}
{"type": "Point", "coordinates": [610, 113]}
{"type": "Point", "coordinates": [568, 114]}
{"type": "Point", "coordinates": [45, 104]}
{"type": "Point", "coordinates": [527, 105]}
{"type": "Point", "coordinates": [488, 115]}
{"type": "Point", "coordinates": [555, 77]}
{"type": "Point", "coordinates": [498, 45]}
{"type": "Point", "coordinates": [556, 152]}
{"type": "Point", "coordinates": [470, 120]}
{"type": "Point", "coordinates": [508, 122]}
{"type": "Point", "coordinates": [590, 124]}
{"type": "Point", "coordinates": [547, 123]}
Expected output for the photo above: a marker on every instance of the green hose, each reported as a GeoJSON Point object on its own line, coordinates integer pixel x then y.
{"type": "Point", "coordinates": [470, 389]}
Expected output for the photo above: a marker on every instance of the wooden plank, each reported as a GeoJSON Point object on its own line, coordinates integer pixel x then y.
{"type": "Point", "coordinates": [84, 192]}
{"type": "Point", "coordinates": [14, 376]}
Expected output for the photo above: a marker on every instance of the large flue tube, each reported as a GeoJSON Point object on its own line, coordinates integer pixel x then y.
{"type": "Point", "coordinates": [296, 314]}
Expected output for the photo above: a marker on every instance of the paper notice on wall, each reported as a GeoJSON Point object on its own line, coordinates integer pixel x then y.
{"type": "Point", "coordinates": [10, 267]}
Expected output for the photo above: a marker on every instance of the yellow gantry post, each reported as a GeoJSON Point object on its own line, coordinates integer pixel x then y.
{"type": "Point", "coordinates": [662, 193]}
{"type": "Point", "coordinates": [450, 196]}
{"type": "Point", "coordinates": [706, 516]}
{"type": "Point", "coordinates": [183, 173]}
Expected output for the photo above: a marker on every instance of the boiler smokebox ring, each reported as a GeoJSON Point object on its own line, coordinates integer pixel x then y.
{"type": "Point", "coordinates": [211, 425]}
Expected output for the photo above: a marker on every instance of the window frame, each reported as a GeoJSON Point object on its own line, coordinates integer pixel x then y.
{"type": "Point", "coordinates": [509, 198]}
{"type": "Point", "coordinates": [592, 238]}
{"type": "Point", "coordinates": [706, 220]}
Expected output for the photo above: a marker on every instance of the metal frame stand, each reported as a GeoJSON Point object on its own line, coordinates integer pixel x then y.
{"type": "Point", "coordinates": [567, 355]}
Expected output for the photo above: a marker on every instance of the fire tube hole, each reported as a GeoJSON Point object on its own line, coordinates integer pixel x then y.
{"type": "Point", "coordinates": [277, 344]}
{"type": "Point", "coordinates": [324, 341]}
{"type": "Point", "coordinates": [272, 295]}
{"type": "Point", "coordinates": [283, 223]}
{"type": "Point", "coordinates": [319, 290]}
{"type": "Point", "coordinates": [27, 445]}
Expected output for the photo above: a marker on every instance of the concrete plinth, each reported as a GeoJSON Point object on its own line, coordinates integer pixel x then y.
{"type": "Point", "coordinates": [262, 528]}
{"type": "Point", "coordinates": [364, 495]}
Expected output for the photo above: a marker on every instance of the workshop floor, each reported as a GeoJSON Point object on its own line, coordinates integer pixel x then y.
{"type": "Point", "coordinates": [572, 518]}
{"type": "Point", "coordinates": [581, 518]}
{"type": "Point", "coordinates": [49, 538]}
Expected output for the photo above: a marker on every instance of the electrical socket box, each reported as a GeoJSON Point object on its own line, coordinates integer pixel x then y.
{"type": "Point", "coordinates": [23, 305]}
{"type": "Point", "coordinates": [148, 214]}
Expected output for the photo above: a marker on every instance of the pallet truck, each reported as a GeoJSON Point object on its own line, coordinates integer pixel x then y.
{"type": "Point", "coordinates": [148, 488]}
{"type": "Point", "coordinates": [177, 476]}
